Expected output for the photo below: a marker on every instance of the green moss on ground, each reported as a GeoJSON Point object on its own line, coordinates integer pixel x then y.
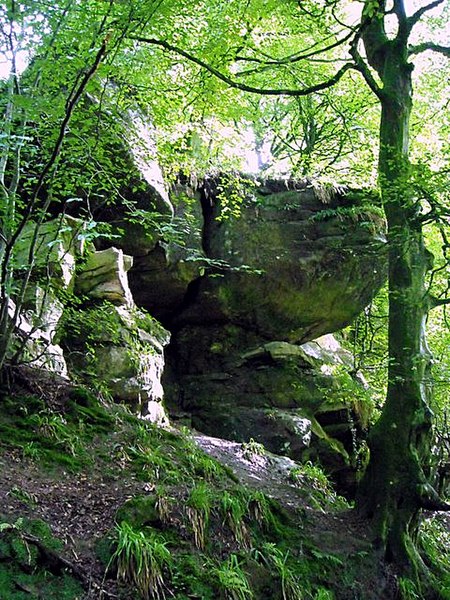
{"type": "Point", "coordinates": [54, 436]}
{"type": "Point", "coordinates": [250, 546]}
{"type": "Point", "coordinates": [28, 564]}
{"type": "Point", "coordinates": [219, 539]}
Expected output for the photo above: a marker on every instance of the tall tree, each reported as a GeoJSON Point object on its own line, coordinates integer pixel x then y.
{"type": "Point", "coordinates": [396, 484]}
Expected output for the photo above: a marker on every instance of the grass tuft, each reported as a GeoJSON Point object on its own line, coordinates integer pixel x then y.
{"type": "Point", "coordinates": [141, 559]}
{"type": "Point", "coordinates": [234, 508]}
{"type": "Point", "coordinates": [275, 559]}
{"type": "Point", "coordinates": [198, 512]}
{"type": "Point", "coordinates": [232, 581]}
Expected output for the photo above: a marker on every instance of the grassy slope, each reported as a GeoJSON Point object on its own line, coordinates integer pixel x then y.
{"type": "Point", "coordinates": [94, 501]}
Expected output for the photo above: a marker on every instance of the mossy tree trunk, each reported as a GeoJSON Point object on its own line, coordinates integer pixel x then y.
{"type": "Point", "coordinates": [395, 486]}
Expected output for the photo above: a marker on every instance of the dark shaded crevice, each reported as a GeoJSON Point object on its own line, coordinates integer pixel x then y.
{"type": "Point", "coordinates": [207, 194]}
{"type": "Point", "coordinates": [210, 210]}
{"type": "Point", "coordinates": [172, 322]}
{"type": "Point", "coordinates": [170, 315]}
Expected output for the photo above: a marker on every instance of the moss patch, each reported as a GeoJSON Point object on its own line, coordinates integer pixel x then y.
{"type": "Point", "coordinates": [54, 437]}
{"type": "Point", "coordinates": [27, 570]}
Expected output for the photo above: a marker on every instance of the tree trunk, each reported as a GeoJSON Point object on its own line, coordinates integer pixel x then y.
{"type": "Point", "coordinates": [395, 485]}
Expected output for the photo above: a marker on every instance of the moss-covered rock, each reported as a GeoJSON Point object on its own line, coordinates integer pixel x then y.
{"type": "Point", "coordinates": [103, 276]}
{"type": "Point", "coordinates": [303, 401]}
{"type": "Point", "coordinates": [119, 349]}
{"type": "Point", "coordinates": [296, 263]}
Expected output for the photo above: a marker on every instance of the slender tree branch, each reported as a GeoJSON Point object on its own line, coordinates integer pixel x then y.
{"type": "Point", "coordinates": [269, 57]}
{"type": "Point", "coordinates": [403, 29]}
{"type": "Point", "coordinates": [353, 28]}
{"type": "Point", "coordinates": [415, 18]}
{"type": "Point", "coordinates": [435, 214]}
{"type": "Point", "coordinates": [434, 302]}
{"type": "Point", "coordinates": [430, 500]}
{"type": "Point", "coordinates": [288, 60]}
{"type": "Point", "coordinates": [242, 86]}
{"type": "Point", "coordinates": [266, 66]}
{"type": "Point", "coordinates": [399, 10]}
{"type": "Point", "coordinates": [363, 68]}
{"type": "Point", "coordinates": [7, 325]}
{"type": "Point", "coordinates": [445, 50]}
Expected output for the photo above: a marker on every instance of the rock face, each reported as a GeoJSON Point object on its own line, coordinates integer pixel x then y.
{"type": "Point", "coordinates": [295, 265]}
{"type": "Point", "coordinates": [57, 246]}
{"type": "Point", "coordinates": [244, 278]}
{"type": "Point", "coordinates": [35, 332]}
{"type": "Point", "coordinates": [244, 274]}
{"type": "Point", "coordinates": [245, 296]}
{"type": "Point", "coordinates": [58, 243]}
{"type": "Point", "coordinates": [99, 336]}
{"type": "Point", "coordinates": [120, 348]}
{"type": "Point", "coordinates": [104, 276]}
{"type": "Point", "coordinates": [113, 343]}
{"type": "Point", "coordinates": [302, 401]}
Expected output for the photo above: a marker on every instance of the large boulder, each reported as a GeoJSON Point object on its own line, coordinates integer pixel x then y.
{"type": "Point", "coordinates": [104, 276]}
{"type": "Point", "coordinates": [246, 295]}
{"type": "Point", "coordinates": [295, 264]}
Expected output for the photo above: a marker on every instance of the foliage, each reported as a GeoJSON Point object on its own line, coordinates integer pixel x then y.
{"type": "Point", "coordinates": [153, 454]}
{"type": "Point", "coordinates": [323, 594]}
{"type": "Point", "coordinates": [235, 508]}
{"type": "Point", "coordinates": [274, 558]}
{"type": "Point", "coordinates": [24, 496]}
{"type": "Point", "coordinates": [35, 126]}
{"type": "Point", "coordinates": [434, 540]}
{"type": "Point", "coordinates": [252, 449]}
{"type": "Point", "coordinates": [265, 512]}
{"type": "Point", "coordinates": [232, 581]}
{"type": "Point", "coordinates": [368, 342]}
{"type": "Point", "coordinates": [88, 331]}
{"type": "Point", "coordinates": [95, 324]}
{"type": "Point", "coordinates": [51, 437]}
{"type": "Point", "coordinates": [408, 589]}
{"type": "Point", "coordinates": [198, 511]}
{"type": "Point", "coordinates": [320, 490]}
{"type": "Point", "coordinates": [232, 189]}
{"type": "Point", "coordinates": [191, 577]}
{"type": "Point", "coordinates": [253, 537]}
{"type": "Point", "coordinates": [366, 216]}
